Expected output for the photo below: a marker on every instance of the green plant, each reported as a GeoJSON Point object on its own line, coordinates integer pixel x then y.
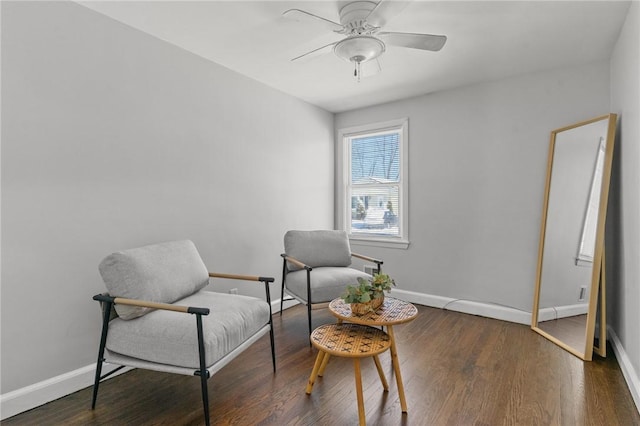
{"type": "Point", "coordinates": [368, 289]}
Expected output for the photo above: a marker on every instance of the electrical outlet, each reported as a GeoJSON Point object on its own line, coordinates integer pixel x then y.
{"type": "Point", "coordinates": [369, 269]}
{"type": "Point", "coordinates": [583, 293]}
{"type": "Point", "coordinates": [233, 291]}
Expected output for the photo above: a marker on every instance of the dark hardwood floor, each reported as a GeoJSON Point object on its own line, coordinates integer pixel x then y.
{"type": "Point", "coordinates": [458, 369]}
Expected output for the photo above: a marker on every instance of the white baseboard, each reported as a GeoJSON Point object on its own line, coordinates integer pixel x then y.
{"type": "Point", "coordinates": [275, 305]}
{"type": "Point", "coordinates": [522, 317]}
{"type": "Point", "coordinates": [556, 312]}
{"type": "Point", "coordinates": [629, 373]}
{"type": "Point", "coordinates": [32, 396]}
{"type": "Point", "coordinates": [24, 399]}
{"type": "Point", "coordinates": [489, 310]}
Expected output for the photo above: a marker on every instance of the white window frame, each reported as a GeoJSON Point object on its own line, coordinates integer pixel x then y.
{"type": "Point", "coordinates": [343, 177]}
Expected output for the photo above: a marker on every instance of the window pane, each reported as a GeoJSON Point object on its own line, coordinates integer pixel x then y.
{"type": "Point", "coordinates": [374, 210]}
{"type": "Point", "coordinates": [375, 158]}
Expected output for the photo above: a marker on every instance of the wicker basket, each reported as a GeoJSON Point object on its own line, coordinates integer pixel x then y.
{"type": "Point", "coordinates": [365, 308]}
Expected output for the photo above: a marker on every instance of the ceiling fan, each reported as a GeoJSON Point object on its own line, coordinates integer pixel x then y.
{"type": "Point", "coordinates": [361, 22]}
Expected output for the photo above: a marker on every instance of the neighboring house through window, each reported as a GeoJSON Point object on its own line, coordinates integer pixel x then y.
{"type": "Point", "coordinates": [372, 183]}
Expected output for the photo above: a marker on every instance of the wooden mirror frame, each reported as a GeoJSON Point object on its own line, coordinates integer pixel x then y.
{"type": "Point", "coordinates": [597, 290]}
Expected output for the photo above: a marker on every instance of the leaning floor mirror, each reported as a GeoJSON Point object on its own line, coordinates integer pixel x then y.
{"type": "Point", "coordinates": [570, 273]}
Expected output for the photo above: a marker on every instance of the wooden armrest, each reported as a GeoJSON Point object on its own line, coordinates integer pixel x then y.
{"type": "Point", "coordinates": [367, 258]}
{"type": "Point", "coordinates": [296, 262]}
{"type": "Point", "coordinates": [242, 277]}
{"type": "Point", "coordinates": [265, 280]}
{"type": "Point", "coordinates": [152, 305]}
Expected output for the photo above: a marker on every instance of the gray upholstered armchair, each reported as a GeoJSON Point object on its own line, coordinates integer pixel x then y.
{"type": "Point", "coordinates": [316, 267]}
{"type": "Point", "coordinates": [157, 316]}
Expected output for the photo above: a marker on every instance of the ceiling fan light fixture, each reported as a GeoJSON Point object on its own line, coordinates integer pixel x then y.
{"type": "Point", "coordinates": [359, 49]}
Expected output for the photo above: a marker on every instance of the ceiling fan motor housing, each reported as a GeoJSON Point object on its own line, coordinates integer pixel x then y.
{"type": "Point", "coordinates": [360, 46]}
{"type": "Point", "coordinates": [353, 17]}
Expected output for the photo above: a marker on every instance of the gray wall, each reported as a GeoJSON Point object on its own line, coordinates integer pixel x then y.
{"type": "Point", "coordinates": [623, 226]}
{"type": "Point", "coordinates": [477, 162]}
{"type": "Point", "coordinates": [113, 139]}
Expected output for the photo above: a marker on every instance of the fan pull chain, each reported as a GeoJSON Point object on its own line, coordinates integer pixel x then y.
{"type": "Point", "coordinates": [356, 71]}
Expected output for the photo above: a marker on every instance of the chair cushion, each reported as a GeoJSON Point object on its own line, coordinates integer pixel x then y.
{"type": "Point", "coordinates": [318, 248]}
{"type": "Point", "coordinates": [326, 283]}
{"type": "Point", "coordinates": [163, 273]}
{"type": "Point", "coordinates": [171, 338]}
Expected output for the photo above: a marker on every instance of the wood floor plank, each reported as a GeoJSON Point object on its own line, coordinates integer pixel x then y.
{"type": "Point", "coordinates": [458, 369]}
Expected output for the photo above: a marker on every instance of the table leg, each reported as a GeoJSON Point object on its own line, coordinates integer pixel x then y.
{"type": "Point", "coordinates": [314, 372]}
{"type": "Point", "coordinates": [326, 358]}
{"type": "Point", "coordinates": [325, 361]}
{"type": "Point", "coordinates": [361, 416]}
{"type": "Point", "coordinates": [383, 379]}
{"type": "Point", "coordinates": [396, 369]}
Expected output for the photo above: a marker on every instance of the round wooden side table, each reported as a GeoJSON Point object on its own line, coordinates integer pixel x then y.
{"type": "Point", "coordinates": [352, 341]}
{"type": "Point", "coordinates": [392, 312]}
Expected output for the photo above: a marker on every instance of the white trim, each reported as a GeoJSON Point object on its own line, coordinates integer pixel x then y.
{"type": "Point", "coordinates": [484, 309]}
{"type": "Point", "coordinates": [557, 312]}
{"type": "Point", "coordinates": [342, 172]}
{"type": "Point", "coordinates": [368, 242]}
{"type": "Point", "coordinates": [37, 394]}
{"type": "Point", "coordinates": [33, 396]}
{"type": "Point", "coordinates": [275, 305]}
{"type": "Point", "coordinates": [522, 317]}
{"type": "Point", "coordinates": [378, 127]}
{"type": "Point", "coordinates": [628, 372]}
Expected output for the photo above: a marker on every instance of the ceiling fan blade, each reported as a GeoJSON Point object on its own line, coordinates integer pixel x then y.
{"type": "Point", "coordinates": [384, 11]}
{"type": "Point", "coordinates": [302, 16]}
{"type": "Point", "coordinates": [315, 53]}
{"type": "Point", "coordinates": [414, 41]}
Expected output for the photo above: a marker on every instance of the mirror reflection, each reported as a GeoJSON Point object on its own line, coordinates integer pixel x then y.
{"type": "Point", "coordinates": [572, 234]}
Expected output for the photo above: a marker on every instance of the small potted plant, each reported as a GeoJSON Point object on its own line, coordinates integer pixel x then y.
{"type": "Point", "coordinates": [369, 294]}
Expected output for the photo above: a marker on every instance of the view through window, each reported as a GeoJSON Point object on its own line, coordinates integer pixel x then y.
{"type": "Point", "coordinates": [375, 180]}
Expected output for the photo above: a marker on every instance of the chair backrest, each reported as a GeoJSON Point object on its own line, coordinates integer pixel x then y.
{"type": "Point", "coordinates": [162, 273]}
{"type": "Point", "coordinates": [318, 248]}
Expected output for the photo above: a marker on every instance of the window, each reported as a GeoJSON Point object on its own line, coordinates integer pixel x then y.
{"type": "Point", "coordinates": [372, 188]}
{"type": "Point", "coordinates": [588, 237]}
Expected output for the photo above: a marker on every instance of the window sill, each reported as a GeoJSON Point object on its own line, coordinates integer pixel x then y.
{"type": "Point", "coordinates": [379, 242]}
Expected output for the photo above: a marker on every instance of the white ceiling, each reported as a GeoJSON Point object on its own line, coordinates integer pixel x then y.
{"type": "Point", "coordinates": [486, 41]}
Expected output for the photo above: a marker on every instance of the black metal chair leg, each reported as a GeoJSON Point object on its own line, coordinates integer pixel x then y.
{"type": "Point", "coordinates": [96, 383]}
{"type": "Point", "coordinates": [106, 315]}
{"type": "Point", "coordinates": [309, 315]}
{"type": "Point", "coordinates": [203, 373]}
{"type": "Point", "coordinates": [309, 303]}
{"type": "Point", "coordinates": [271, 335]}
{"type": "Point", "coordinates": [205, 397]}
{"type": "Point", "coordinates": [273, 347]}
{"type": "Point", "coordinates": [284, 274]}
